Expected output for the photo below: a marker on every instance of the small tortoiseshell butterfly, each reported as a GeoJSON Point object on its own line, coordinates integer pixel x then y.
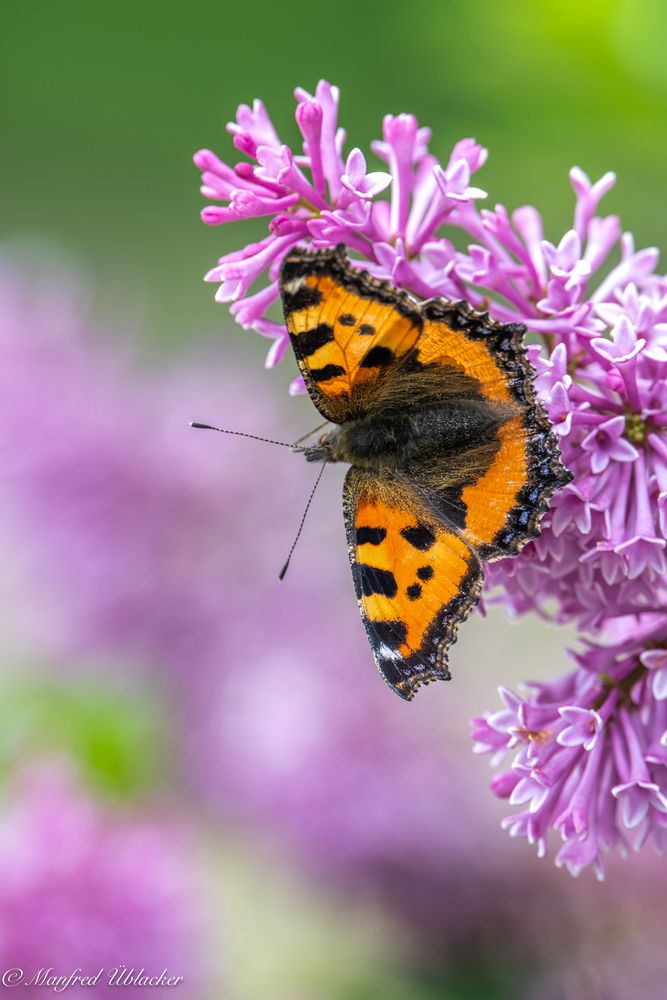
{"type": "Point", "coordinates": [453, 460]}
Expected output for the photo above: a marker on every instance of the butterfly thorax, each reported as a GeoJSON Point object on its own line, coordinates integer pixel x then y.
{"type": "Point", "coordinates": [387, 439]}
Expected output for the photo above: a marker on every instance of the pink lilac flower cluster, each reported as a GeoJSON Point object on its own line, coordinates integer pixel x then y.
{"type": "Point", "coordinates": [589, 748]}
{"type": "Point", "coordinates": [323, 199]}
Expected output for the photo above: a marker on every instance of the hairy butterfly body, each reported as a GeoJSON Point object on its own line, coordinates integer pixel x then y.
{"type": "Point", "coordinates": [453, 460]}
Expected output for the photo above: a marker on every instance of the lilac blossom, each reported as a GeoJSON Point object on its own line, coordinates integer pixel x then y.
{"type": "Point", "coordinates": [589, 750]}
{"type": "Point", "coordinates": [602, 551]}
{"type": "Point", "coordinates": [598, 311]}
{"type": "Point", "coordinates": [323, 197]}
{"type": "Point", "coordinates": [599, 561]}
{"type": "Point", "coordinates": [82, 888]}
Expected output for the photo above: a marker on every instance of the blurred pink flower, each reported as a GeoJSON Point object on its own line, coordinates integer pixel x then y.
{"type": "Point", "coordinates": [633, 968]}
{"type": "Point", "coordinates": [301, 743]}
{"type": "Point", "coordinates": [306, 749]}
{"type": "Point", "coordinates": [84, 888]}
{"type": "Point", "coordinates": [137, 540]}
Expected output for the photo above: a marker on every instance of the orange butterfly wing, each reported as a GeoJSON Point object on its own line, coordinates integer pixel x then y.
{"type": "Point", "coordinates": [348, 331]}
{"type": "Point", "coordinates": [501, 508]}
{"type": "Point", "coordinates": [415, 580]}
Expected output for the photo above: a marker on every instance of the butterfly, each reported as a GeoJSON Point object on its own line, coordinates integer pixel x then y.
{"type": "Point", "coordinates": [453, 460]}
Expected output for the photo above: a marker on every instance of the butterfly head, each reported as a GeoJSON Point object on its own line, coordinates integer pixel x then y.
{"type": "Point", "coordinates": [325, 450]}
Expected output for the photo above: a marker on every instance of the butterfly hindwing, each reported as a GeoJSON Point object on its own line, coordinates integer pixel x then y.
{"type": "Point", "coordinates": [499, 508]}
{"type": "Point", "coordinates": [415, 579]}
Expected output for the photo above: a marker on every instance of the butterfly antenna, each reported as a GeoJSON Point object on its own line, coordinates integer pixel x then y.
{"type": "Point", "coordinates": [281, 575]}
{"type": "Point", "coordinates": [310, 433]}
{"type": "Point", "coordinates": [223, 430]}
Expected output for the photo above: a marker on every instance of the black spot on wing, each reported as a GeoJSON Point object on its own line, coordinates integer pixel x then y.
{"type": "Point", "coordinates": [391, 633]}
{"type": "Point", "coordinates": [326, 373]}
{"type": "Point", "coordinates": [311, 340]}
{"type": "Point", "coordinates": [366, 330]}
{"type": "Point", "coordinates": [304, 297]}
{"type": "Point", "coordinates": [425, 573]}
{"type": "Point", "coordinates": [420, 537]}
{"type": "Point", "coordinates": [414, 591]}
{"type": "Point", "coordinates": [377, 357]}
{"type": "Point", "coordinates": [371, 536]}
{"type": "Point", "coordinates": [376, 581]}
{"type": "Point", "coordinates": [347, 319]}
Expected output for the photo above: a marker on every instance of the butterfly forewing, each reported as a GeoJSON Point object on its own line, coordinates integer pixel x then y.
{"type": "Point", "coordinates": [348, 331]}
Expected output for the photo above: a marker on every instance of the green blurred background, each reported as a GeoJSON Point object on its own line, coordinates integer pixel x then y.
{"type": "Point", "coordinates": [103, 106]}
